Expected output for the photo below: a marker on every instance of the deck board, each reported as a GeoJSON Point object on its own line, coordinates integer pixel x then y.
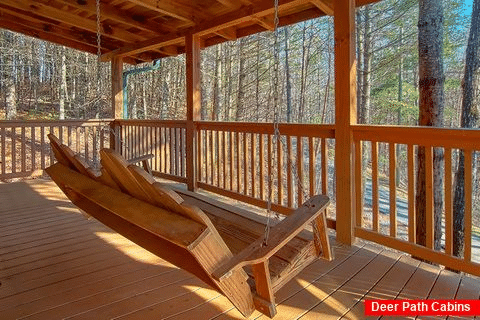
{"type": "Point", "coordinates": [56, 264]}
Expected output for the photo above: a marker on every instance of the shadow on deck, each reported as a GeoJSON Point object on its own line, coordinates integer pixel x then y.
{"type": "Point", "coordinates": [55, 264]}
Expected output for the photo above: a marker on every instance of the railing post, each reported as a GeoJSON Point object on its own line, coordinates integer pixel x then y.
{"type": "Point", "coordinates": [117, 88]}
{"type": "Point", "coordinates": [193, 93]}
{"type": "Point", "coordinates": [345, 116]}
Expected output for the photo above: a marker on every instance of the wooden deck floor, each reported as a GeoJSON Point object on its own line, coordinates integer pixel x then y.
{"type": "Point", "coordinates": [56, 264]}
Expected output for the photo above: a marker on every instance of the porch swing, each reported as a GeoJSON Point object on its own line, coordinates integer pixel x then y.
{"type": "Point", "coordinates": [243, 256]}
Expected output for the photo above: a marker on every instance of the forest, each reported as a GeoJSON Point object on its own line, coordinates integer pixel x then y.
{"type": "Point", "coordinates": [40, 80]}
{"type": "Point", "coordinates": [44, 80]}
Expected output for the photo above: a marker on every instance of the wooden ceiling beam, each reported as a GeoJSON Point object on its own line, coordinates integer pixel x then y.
{"type": "Point", "coordinates": [211, 26]}
{"type": "Point", "coordinates": [84, 37]}
{"type": "Point", "coordinates": [232, 19]}
{"type": "Point", "coordinates": [227, 33]}
{"type": "Point", "coordinates": [324, 5]}
{"type": "Point", "coordinates": [169, 50]}
{"type": "Point", "coordinates": [46, 36]}
{"type": "Point", "coordinates": [115, 14]}
{"type": "Point", "coordinates": [147, 45]}
{"type": "Point", "coordinates": [266, 22]}
{"type": "Point", "coordinates": [168, 8]}
{"type": "Point", "coordinates": [232, 4]}
{"type": "Point", "coordinates": [61, 16]}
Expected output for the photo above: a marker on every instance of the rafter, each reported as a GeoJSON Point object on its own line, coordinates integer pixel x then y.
{"type": "Point", "coordinates": [118, 15]}
{"type": "Point", "coordinates": [211, 26]}
{"type": "Point", "coordinates": [84, 37]}
{"type": "Point", "coordinates": [228, 33]}
{"type": "Point", "coordinates": [169, 50]}
{"type": "Point", "coordinates": [324, 5]}
{"type": "Point", "coordinates": [52, 13]}
{"type": "Point", "coordinates": [266, 22]}
{"type": "Point", "coordinates": [151, 44]}
{"type": "Point", "coordinates": [169, 8]}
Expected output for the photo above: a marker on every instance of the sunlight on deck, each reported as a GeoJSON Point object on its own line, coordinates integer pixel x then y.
{"type": "Point", "coordinates": [56, 264]}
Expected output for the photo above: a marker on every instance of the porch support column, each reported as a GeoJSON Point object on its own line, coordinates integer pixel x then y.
{"type": "Point", "coordinates": [117, 88]}
{"type": "Point", "coordinates": [117, 101]}
{"type": "Point", "coordinates": [345, 116]}
{"type": "Point", "coordinates": [192, 44]}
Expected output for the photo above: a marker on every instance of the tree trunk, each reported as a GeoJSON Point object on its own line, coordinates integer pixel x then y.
{"type": "Point", "coordinates": [217, 82]}
{"type": "Point", "coordinates": [63, 87]}
{"type": "Point", "coordinates": [287, 77]}
{"type": "Point", "coordinates": [469, 119]}
{"type": "Point", "coordinates": [11, 100]}
{"type": "Point", "coordinates": [367, 67]}
{"type": "Point", "coordinates": [240, 114]}
{"type": "Point", "coordinates": [431, 83]}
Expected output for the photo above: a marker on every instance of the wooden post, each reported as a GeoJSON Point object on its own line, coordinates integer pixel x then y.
{"type": "Point", "coordinates": [345, 116]}
{"type": "Point", "coordinates": [192, 44]}
{"type": "Point", "coordinates": [117, 88]}
{"type": "Point", "coordinates": [117, 100]}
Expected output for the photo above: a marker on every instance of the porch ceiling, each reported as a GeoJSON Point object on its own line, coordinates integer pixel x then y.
{"type": "Point", "coordinates": [144, 30]}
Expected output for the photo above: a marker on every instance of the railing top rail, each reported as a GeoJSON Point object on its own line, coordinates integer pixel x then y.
{"type": "Point", "coordinates": [152, 123]}
{"type": "Point", "coordinates": [52, 123]}
{"type": "Point", "coordinates": [291, 129]}
{"type": "Point", "coordinates": [423, 136]}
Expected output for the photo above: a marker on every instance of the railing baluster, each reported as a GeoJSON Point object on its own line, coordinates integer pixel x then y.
{"type": "Point", "coordinates": [77, 139]}
{"type": "Point", "coordinates": [280, 170]}
{"type": "Point", "coordinates": [85, 138]}
{"type": "Point", "coordinates": [269, 168]}
{"type": "Point", "coordinates": [323, 155]}
{"type": "Point", "coordinates": [199, 154]}
{"type": "Point", "coordinates": [261, 161]}
{"type": "Point", "coordinates": [429, 197]}
{"type": "Point", "coordinates": [211, 161]}
{"type": "Point", "coordinates": [206, 154]}
{"type": "Point", "coordinates": [13, 143]}
{"type": "Point", "coordinates": [245, 164]}
{"type": "Point", "coordinates": [253, 148]}
{"type": "Point", "coordinates": [32, 146]}
{"type": "Point", "coordinates": [102, 137]}
{"type": "Point", "coordinates": [237, 138]}
{"type": "Point", "coordinates": [393, 189]}
{"type": "Point", "coordinates": [448, 202]}
{"type": "Point", "coordinates": [358, 184]}
{"type": "Point", "coordinates": [299, 171]}
{"type": "Point", "coordinates": [224, 157]}
{"type": "Point", "coordinates": [468, 206]}
{"type": "Point", "coordinates": [42, 147]}
{"type": "Point", "coordinates": [289, 172]}
{"type": "Point", "coordinates": [4, 150]}
{"type": "Point", "coordinates": [94, 147]}
{"type": "Point", "coordinates": [311, 167]}
{"type": "Point", "coordinates": [24, 151]}
{"type": "Point", "coordinates": [231, 160]}
{"type": "Point", "coordinates": [412, 222]}
{"type": "Point", "coordinates": [178, 148]}
{"type": "Point", "coordinates": [217, 157]}
{"type": "Point", "coordinates": [375, 222]}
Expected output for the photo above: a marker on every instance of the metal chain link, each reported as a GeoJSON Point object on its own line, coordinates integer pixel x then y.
{"type": "Point", "coordinates": [276, 121]}
{"type": "Point", "coordinates": [276, 134]}
{"type": "Point", "coordinates": [99, 56]}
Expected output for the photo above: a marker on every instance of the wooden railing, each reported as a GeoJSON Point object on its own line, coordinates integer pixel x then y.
{"type": "Point", "coordinates": [25, 150]}
{"type": "Point", "coordinates": [235, 160]}
{"type": "Point", "coordinates": [164, 139]}
{"type": "Point", "coordinates": [382, 146]}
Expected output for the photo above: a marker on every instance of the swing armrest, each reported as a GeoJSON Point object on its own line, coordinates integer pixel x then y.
{"type": "Point", "coordinates": [280, 234]}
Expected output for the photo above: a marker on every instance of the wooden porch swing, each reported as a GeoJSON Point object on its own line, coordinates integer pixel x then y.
{"type": "Point", "coordinates": [220, 244]}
